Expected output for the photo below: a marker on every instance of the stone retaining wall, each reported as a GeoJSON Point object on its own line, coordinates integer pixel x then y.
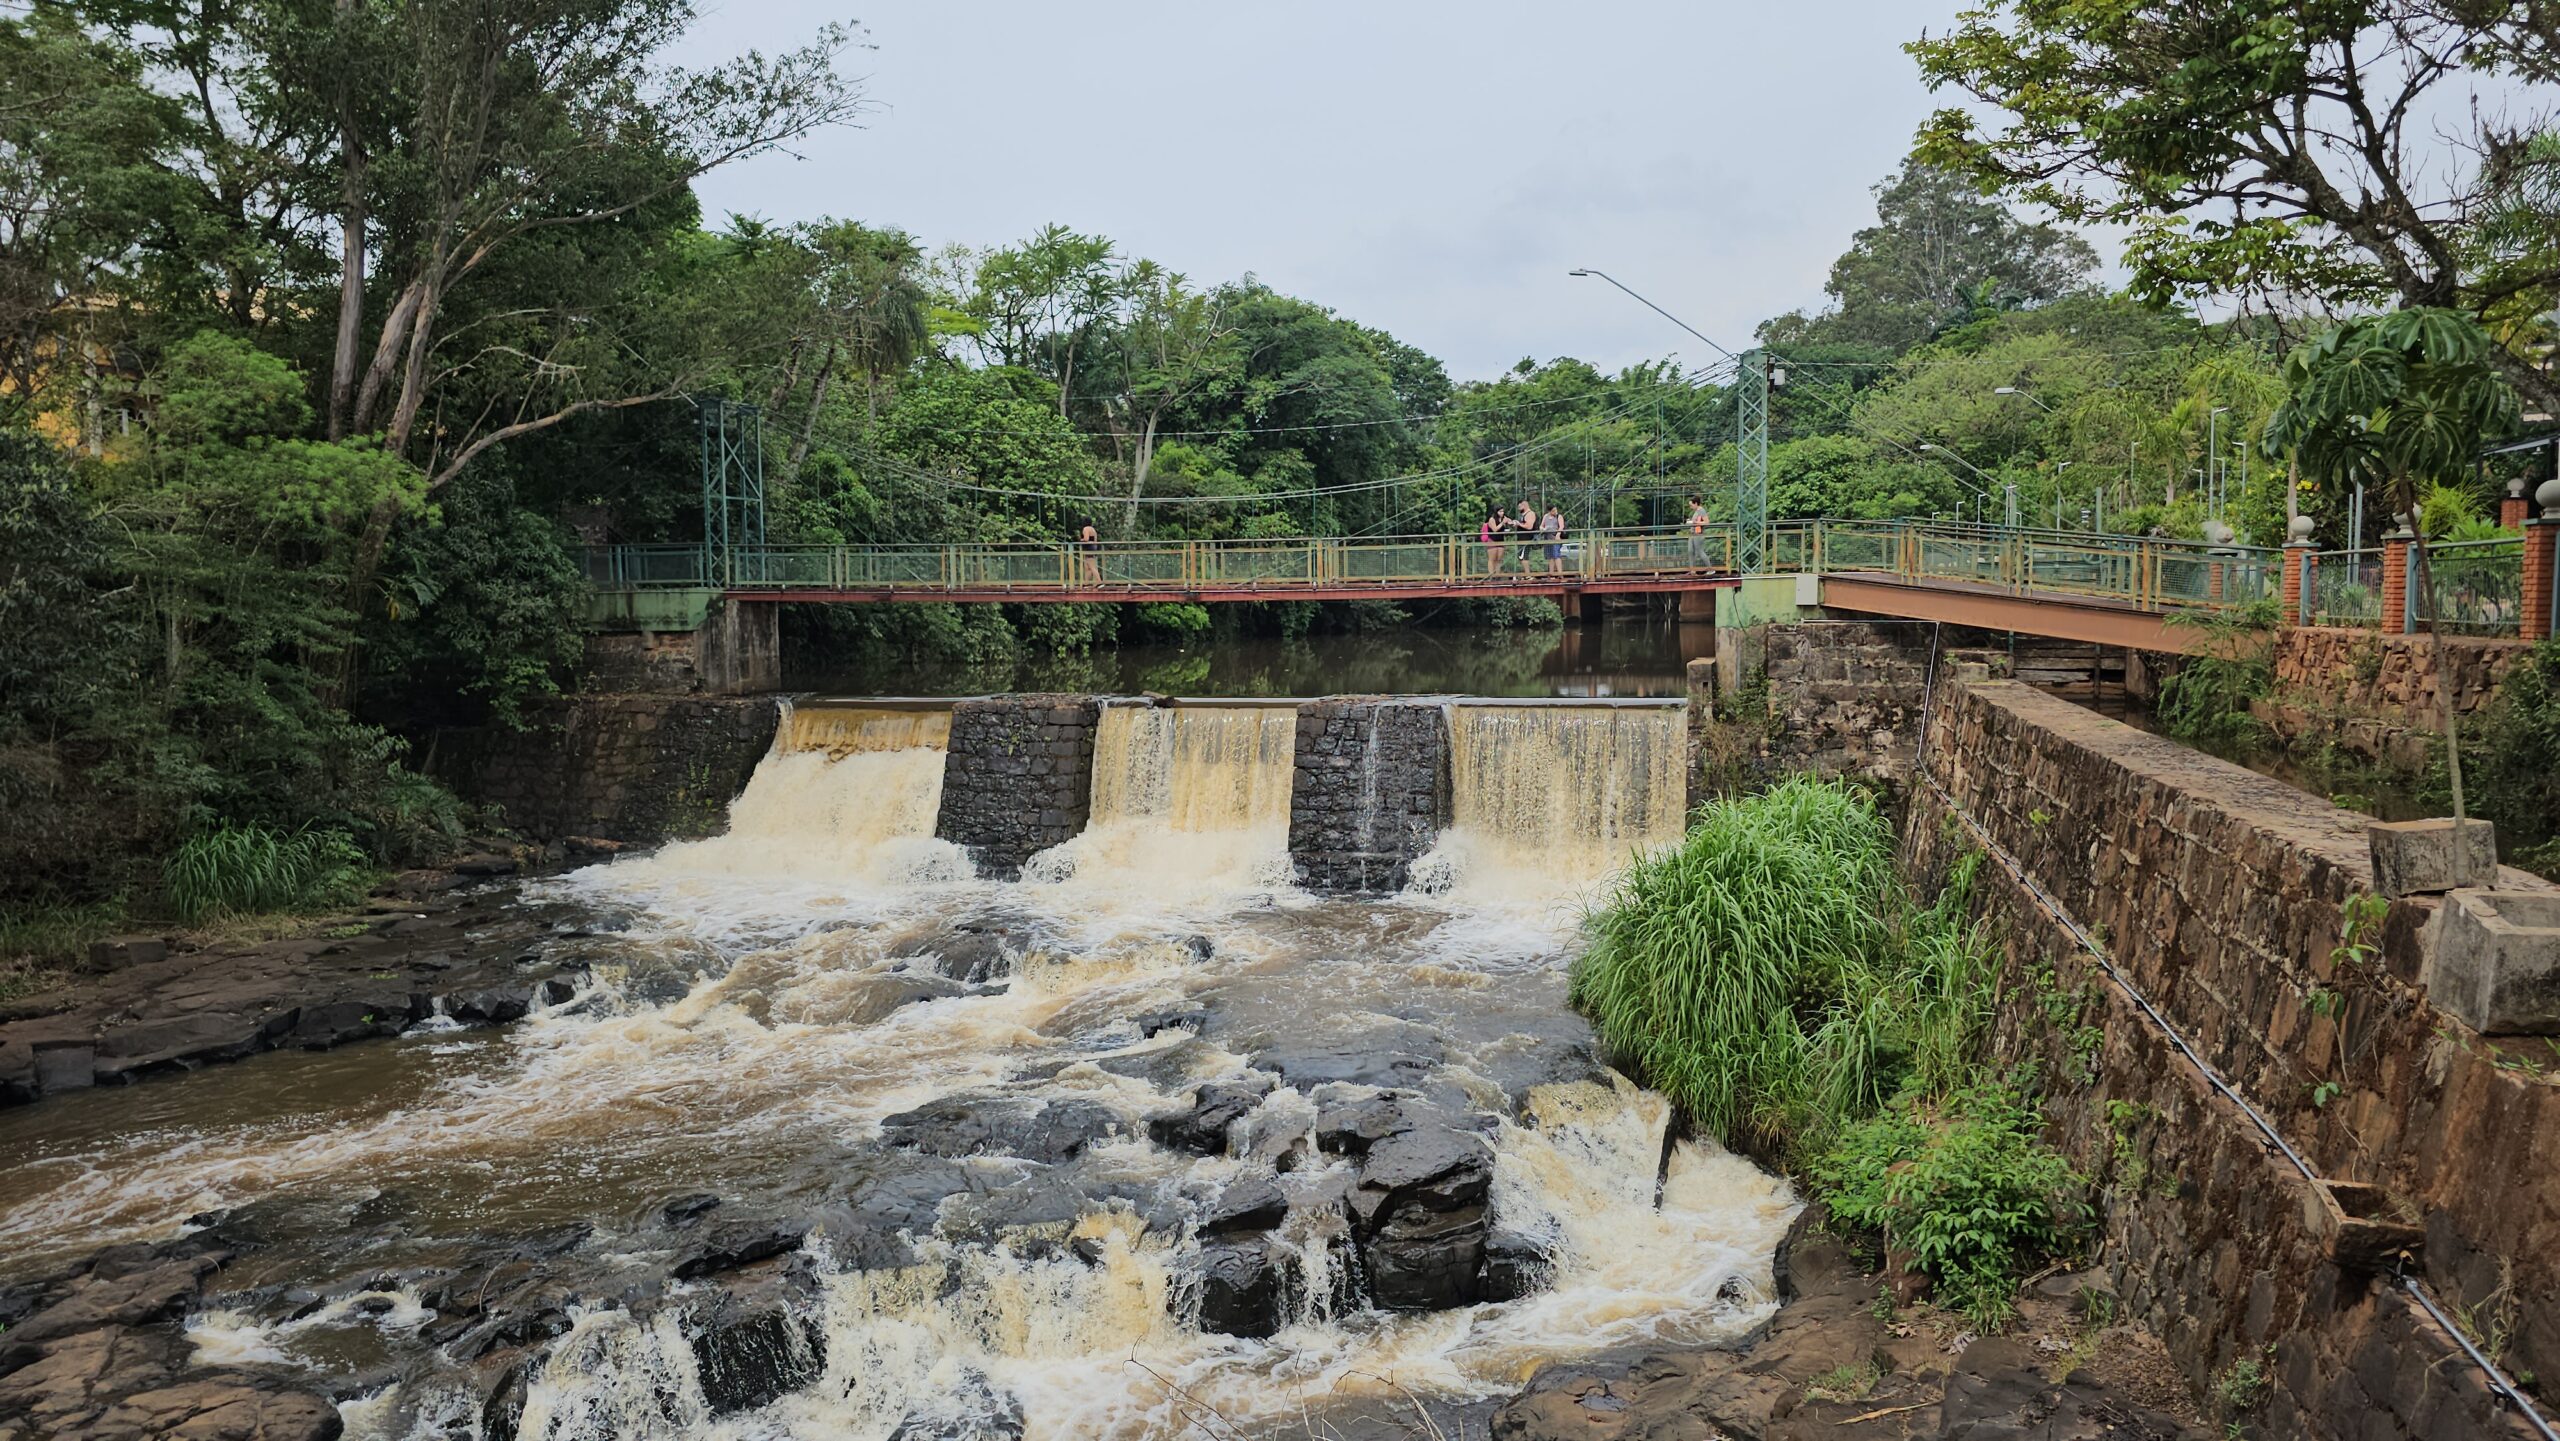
{"type": "Point", "coordinates": [1370, 792]}
{"type": "Point", "coordinates": [628, 768]}
{"type": "Point", "coordinates": [1018, 777]}
{"type": "Point", "coordinates": [736, 650]}
{"type": "Point", "coordinates": [2220, 894]}
{"type": "Point", "coordinates": [2376, 694]}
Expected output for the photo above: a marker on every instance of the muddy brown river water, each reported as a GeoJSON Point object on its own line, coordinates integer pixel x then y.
{"type": "Point", "coordinates": [1149, 1143]}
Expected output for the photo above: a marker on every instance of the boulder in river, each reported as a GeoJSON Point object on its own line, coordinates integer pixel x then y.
{"type": "Point", "coordinates": [1421, 1214]}
{"type": "Point", "coordinates": [1202, 1129]}
{"type": "Point", "coordinates": [954, 1126]}
{"type": "Point", "coordinates": [1244, 1285]}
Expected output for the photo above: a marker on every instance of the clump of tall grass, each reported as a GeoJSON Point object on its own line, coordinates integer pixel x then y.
{"type": "Point", "coordinates": [253, 870]}
{"type": "Point", "coordinates": [1771, 975]}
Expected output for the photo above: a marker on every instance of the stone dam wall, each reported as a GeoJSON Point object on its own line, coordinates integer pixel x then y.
{"type": "Point", "coordinates": [1018, 778]}
{"type": "Point", "coordinates": [1370, 793]}
{"type": "Point", "coordinates": [630, 768]}
{"type": "Point", "coordinates": [2221, 896]}
{"type": "Point", "coordinates": [1370, 787]}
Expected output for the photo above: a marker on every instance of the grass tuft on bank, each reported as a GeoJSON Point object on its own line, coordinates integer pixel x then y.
{"type": "Point", "coordinates": [1775, 978]}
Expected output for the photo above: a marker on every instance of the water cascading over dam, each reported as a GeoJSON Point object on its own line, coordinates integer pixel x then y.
{"type": "Point", "coordinates": [1553, 797]}
{"type": "Point", "coordinates": [1184, 796]}
{"type": "Point", "coordinates": [848, 794]}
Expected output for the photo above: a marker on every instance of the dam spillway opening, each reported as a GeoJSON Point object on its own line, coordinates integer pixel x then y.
{"type": "Point", "coordinates": [866, 1140]}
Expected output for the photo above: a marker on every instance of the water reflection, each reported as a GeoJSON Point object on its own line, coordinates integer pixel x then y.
{"type": "Point", "coordinates": [1627, 656]}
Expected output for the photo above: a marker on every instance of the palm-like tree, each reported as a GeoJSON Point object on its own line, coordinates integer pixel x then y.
{"type": "Point", "coordinates": [2398, 401]}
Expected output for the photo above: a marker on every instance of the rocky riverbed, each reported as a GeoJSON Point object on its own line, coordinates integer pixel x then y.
{"type": "Point", "coordinates": [452, 946]}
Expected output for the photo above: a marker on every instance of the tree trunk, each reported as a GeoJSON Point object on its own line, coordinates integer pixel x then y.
{"type": "Point", "coordinates": [386, 353]}
{"type": "Point", "coordinates": [413, 374]}
{"type": "Point", "coordinates": [351, 219]}
{"type": "Point", "coordinates": [2436, 655]}
{"type": "Point", "coordinates": [1142, 459]}
{"type": "Point", "coordinates": [809, 420]}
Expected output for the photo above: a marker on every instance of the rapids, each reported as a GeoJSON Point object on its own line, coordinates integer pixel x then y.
{"type": "Point", "coordinates": [952, 1094]}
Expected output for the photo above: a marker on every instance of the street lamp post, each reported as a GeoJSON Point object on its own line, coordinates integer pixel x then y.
{"type": "Point", "coordinates": [1758, 375]}
{"type": "Point", "coordinates": [1982, 498]}
{"type": "Point", "coordinates": [2213, 452]}
{"type": "Point", "coordinates": [2026, 395]}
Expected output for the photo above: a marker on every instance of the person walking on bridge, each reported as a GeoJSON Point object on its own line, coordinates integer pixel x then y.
{"type": "Point", "coordinates": [1091, 567]}
{"type": "Point", "coordinates": [1490, 533]}
{"type": "Point", "coordinates": [1551, 526]}
{"type": "Point", "coordinates": [1698, 533]}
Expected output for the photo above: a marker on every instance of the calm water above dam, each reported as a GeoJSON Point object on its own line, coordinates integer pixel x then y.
{"type": "Point", "coordinates": [1622, 656]}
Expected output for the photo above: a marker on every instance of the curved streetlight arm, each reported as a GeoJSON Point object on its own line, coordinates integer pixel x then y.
{"type": "Point", "coordinates": [1656, 309]}
{"type": "Point", "coordinates": [2025, 394]}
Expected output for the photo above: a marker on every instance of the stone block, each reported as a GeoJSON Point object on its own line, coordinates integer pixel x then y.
{"type": "Point", "coordinates": [65, 1068]}
{"type": "Point", "coordinates": [117, 952]}
{"type": "Point", "coordinates": [2422, 858]}
{"type": "Point", "coordinates": [2497, 961]}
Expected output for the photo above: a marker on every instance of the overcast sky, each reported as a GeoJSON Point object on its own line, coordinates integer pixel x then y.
{"type": "Point", "coordinates": [1430, 167]}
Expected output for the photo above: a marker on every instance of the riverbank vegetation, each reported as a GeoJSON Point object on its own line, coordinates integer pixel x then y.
{"type": "Point", "coordinates": [1774, 977]}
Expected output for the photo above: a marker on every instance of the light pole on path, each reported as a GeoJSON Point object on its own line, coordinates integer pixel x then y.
{"type": "Point", "coordinates": [1759, 372]}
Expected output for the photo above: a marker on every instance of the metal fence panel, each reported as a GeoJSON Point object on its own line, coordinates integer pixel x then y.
{"type": "Point", "coordinates": [2475, 587]}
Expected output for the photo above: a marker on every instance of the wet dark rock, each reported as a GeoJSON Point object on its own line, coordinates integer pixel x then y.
{"type": "Point", "coordinates": [1252, 1202]}
{"type": "Point", "coordinates": [491, 1005]}
{"type": "Point", "coordinates": [970, 951]}
{"type": "Point", "coordinates": [1351, 1126]}
{"type": "Point", "coordinates": [1200, 947]}
{"type": "Point", "coordinates": [751, 1357]}
{"type": "Point", "coordinates": [685, 1210]}
{"type": "Point", "coordinates": [1515, 1264]}
{"type": "Point", "coordinates": [891, 992]}
{"type": "Point", "coordinates": [971, 1411]}
{"type": "Point", "coordinates": [1420, 1205]}
{"type": "Point", "coordinates": [1243, 1286]}
{"type": "Point", "coordinates": [1202, 1129]}
{"type": "Point", "coordinates": [1438, 1167]}
{"type": "Point", "coordinates": [1400, 1055]}
{"type": "Point", "coordinates": [1423, 1260]}
{"type": "Point", "coordinates": [503, 1412]}
{"type": "Point", "coordinates": [908, 1194]}
{"type": "Point", "coordinates": [728, 1245]}
{"type": "Point", "coordinates": [1171, 1018]}
{"type": "Point", "coordinates": [164, 1014]}
{"type": "Point", "coordinates": [1001, 1126]}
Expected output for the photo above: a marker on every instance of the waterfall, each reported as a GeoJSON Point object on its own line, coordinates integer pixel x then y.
{"type": "Point", "coordinates": [1545, 798]}
{"type": "Point", "coordinates": [847, 796]}
{"type": "Point", "coordinates": [1186, 799]}
{"type": "Point", "coordinates": [845, 730]}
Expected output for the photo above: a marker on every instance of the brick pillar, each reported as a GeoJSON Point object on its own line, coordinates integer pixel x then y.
{"type": "Point", "coordinates": [2297, 580]}
{"type": "Point", "coordinates": [2512, 510]}
{"type": "Point", "coordinates": [2395, 583]}
{"type": "Point", "coordinates": [2541, 558]}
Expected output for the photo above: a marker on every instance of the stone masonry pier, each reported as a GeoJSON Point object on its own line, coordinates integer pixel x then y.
{"type": "Point", "coordinates": [1371, 791]}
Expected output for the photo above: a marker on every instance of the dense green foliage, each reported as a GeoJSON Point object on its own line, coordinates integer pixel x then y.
{"type": "Point", "coordinates": [2366, 152]}
{"type": "Point", "coordinates": [1963, 1182]}
{"type": "Point", "coordinates": [1771, 976]}
{"type": "Point", "coordinates": [1774, 978]}
{"type": "Point", "coordinates": [2513, 747]}
{"type": "Point", "coordinates": [249, 870]}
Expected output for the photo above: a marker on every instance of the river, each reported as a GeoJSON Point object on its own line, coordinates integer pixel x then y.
{"type": "Point", "coordinates": [1148, 1143]}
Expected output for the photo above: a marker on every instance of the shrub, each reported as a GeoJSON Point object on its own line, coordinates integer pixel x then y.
{"type": "Point", "coordinates": [1771, 976]}
{"type": "Point", "coordinates": [252, 870]}
{"type": "Point", "coordinates": [1965, 1184]}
